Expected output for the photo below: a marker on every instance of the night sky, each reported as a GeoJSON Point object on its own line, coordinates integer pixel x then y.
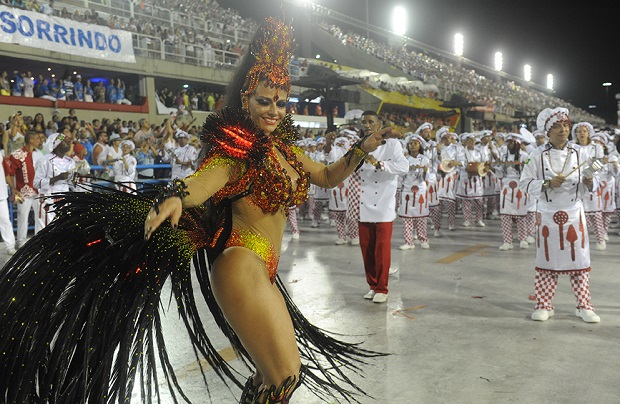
{"type": "Point", "coordinates": [577, 42]}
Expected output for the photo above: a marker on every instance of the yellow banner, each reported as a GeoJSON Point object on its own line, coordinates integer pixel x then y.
{"type": "Point", "coordinates": [412, 101]}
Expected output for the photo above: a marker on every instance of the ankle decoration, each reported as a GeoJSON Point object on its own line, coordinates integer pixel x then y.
{"type": "Point", "coordinates": [280, 394]}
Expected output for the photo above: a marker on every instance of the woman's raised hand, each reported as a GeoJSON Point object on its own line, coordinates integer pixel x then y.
{"type": "Point", "coordinates": [377, 138]}
{"type": "Point", "coordinates": [170, 208]}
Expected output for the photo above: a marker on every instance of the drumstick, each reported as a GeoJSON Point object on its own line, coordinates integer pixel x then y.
{"type": "Point", "coordinates": [575, 169]}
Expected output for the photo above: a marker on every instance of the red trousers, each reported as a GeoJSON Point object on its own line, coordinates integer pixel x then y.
{"type": "Point", "coordinates": [376, 245]}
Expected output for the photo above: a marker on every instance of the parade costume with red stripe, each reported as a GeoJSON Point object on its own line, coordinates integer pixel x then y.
{"type": "Point", "coordinates": [562, 245]}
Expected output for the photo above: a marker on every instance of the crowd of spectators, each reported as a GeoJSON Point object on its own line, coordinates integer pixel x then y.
{"type": "Point", "coordinates": [157, 137]}
{"type": "Point", "coordinates": [201, 31]}
{"type": "Point", "coordinates": [190, 99]}
{"type": "Point", "coordinates": [505, 96]}
{"type": "Point", "coordinates": [68, 88]}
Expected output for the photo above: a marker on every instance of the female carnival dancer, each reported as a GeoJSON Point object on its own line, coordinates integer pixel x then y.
{"type": "Point", "coordinates": [82, 296]}
{"type": "Point", "coordinates": [413, 208]}
{"type": "Point", "coordinates": [513, 206]}
{"type": "Point", "coordinates": [582, 134]}
{"type": "Point", "coordinates": [555, 176]}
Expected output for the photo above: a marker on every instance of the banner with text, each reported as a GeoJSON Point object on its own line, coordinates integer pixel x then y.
{"type": "Point", "coordinates": [38, 30]}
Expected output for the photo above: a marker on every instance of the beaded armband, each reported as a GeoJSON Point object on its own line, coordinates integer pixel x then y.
{"type": "Point", "coordinates": [176, 187]}
{"type": "Point", "coordinates": [356, 152]}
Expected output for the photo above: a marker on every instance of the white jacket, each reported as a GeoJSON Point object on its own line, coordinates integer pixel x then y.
{"type": "Point", "coordinates": [378, 186]}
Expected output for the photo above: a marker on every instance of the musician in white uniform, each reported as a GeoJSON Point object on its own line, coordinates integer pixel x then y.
{"type": "Point", "coordinates": [470, 185]}
{"type": "Point", "coordinates": [338, 196]}
{"type": "Point", "coordinates": [513, 204]}
{"type": "Point", "coordinates": [414, 202]}
{"type": "Point", "coordinates": [53, 174]}
{"type": "Point", "coordinates": [555, 177]}
{"type": "Point", "coordinates": [582, 133]}
{"type": "Point", "coordinates": [451, 156]}
{"type": "Point", "coordinates": [125, 168]}
{"type": "Point", "coordinates": [183, 156]}
{"type": "Point", "coordinates": [377, 205]}
{"type": "Point", "coordinates": [607, 179]}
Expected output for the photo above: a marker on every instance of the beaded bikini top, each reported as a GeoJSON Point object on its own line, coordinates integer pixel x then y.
{"type": "Point", "coordinates": [235, 140]}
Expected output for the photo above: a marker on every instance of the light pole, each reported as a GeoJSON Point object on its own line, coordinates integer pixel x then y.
{"type": "Point", "coordinates": [607, 84]}
{"type": "Point", "coordinates": [458, 46]}
{"type": "Point", "coordinates": [399, 21]}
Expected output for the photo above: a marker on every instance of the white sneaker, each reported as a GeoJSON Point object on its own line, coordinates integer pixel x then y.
{"type": "Point", "coordinates": [601, 246]}
{"type": "Point", "coordinates": [523, 244]}
{"type": "Point", "coordinates": [480, 223]}
{"type": "Point", "coordinates": [369, 295]}
{"type": "Point", "coordinates": [355, 241]}
{"type": "Point", "coordinates": [380, 298]}
{"type": "Point", "coordinates": [589, 316]}
{"type": "Point", "coordinates": [466, 223]}
{"type": "Point", "coordinates": [340, 241]}
{"type": "Point", "coordinates": [438, 233]}
{"type": "Point", "coordinates": [530, 239]}
{"type": "Point", "coordinates": [314, 224]}
{"type": "Point", "coordinates": [425, 246]}
{"type": "Point", "coordinates": [406, 247]}
{"type": "Point", "coordinates": [505, 247]}
{"type": "Point", "coordinates": [11, 251]}
{"type": "Point", "coordinates": [295, 236]}
{"type": "Point", "coordinates": [332, 223]}
{"type": "Point", "coordinates": [452, 228]}
{"type": "Point", "coordinates": [393, 270]}
{"type": "Point", "coordinates": [606, 237]}
{"type": "Point", "coordinates": [540, 315]}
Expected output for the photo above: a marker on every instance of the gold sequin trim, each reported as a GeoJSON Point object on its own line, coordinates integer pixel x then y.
{"type": "Point", "coordinates": [260, 245]}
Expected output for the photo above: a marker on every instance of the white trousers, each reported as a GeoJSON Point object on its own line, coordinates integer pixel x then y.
{"type": "Point", "coordinates": [6, 227]}
{"type": "Point", "coordinates": [23, 210]}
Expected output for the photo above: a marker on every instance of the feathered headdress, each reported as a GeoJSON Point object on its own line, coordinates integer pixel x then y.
{"type": "Point", "coordinates": [272, 48]}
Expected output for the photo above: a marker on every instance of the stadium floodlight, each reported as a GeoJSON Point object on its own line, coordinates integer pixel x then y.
{"type": "Point", "coordinates": [527, 72]}
{"type": "Point", "coordinates": [499, 61]}
{"type": "Point", "coordinates": [458, 44]}
{"type": "Point", "coordinates": [399, 20]}
{"type": "Point", "coordinates": [550, 81]}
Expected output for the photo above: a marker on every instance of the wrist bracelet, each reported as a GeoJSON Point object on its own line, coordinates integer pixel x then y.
{"type": "Point", "coordinates": [176, 187]}
{"type": "Point", "coordinates": [356, 151]}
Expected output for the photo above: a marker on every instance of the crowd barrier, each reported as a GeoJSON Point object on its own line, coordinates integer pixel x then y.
{"type": "Point", "coordinates": [139, 183]}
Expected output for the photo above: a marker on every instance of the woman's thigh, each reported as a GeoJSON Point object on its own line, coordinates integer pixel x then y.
{"type": "Point", "coordinates": [257, 312]}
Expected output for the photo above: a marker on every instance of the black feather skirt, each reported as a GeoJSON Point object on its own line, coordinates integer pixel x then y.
{"type": "Point", "coordinates": [80, 317]}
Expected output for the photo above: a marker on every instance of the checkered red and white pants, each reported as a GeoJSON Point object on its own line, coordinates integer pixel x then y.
{"type": "Point", "coordinates": [507, 221]}
{"type": "Point", "coordinates": [594, 221]}
{"type": "Point", "coordinates": [530, 222]}
{"type": "Point", "coordinates": [546, 283]}
{"type": "Point", "coordinates": [292, 220]}
{"type": "Point", "coordinates": [472, 209]}
{"type": "Point", "coordinates": [340, 219]}
{"type": "Point", "coordinates": [317, 210]}
{"type": "Point", "coordinates": [449, 206]}
{"type": "Point", "coordinates": [607, 218]}
{"type": "Point", "coordinates": [435, 213]}
{"type": "Point", "coordinates": [420, 228]}
{"type": "Point", "coordinates": [353, 208]}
